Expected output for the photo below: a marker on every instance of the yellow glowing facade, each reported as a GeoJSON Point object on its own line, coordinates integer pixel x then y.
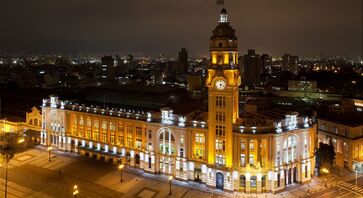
{"type": "Point", "coordinates": [253, 153]}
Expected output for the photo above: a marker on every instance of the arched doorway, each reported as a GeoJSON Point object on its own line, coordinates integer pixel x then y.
{"type": "Point", "coordinates": [128, 157]}
{"type": "Point", "coordinates": [197, 173]}
{"type": "Point", "coordinates": [137, 159]}
{"type": "Point", "coordinates": [219, 181]}
{"type": "Point", "coordinates": [73, 146]}
{"type": "Point", "coordinates": [242, 182]}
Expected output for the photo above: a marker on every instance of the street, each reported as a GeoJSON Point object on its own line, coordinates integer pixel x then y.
{"type": "Point", "coordinates": [32, 175]}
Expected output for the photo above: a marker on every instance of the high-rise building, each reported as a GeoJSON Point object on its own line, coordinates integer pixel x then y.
{"type": "Point", "coordinates": [266, 61]}
{"type": "Point", "coordinates": [252, 68]}
{"type": "Point", "coordinates": [130, 62]}
{"type": "Point", "coordinates": [290, 63]}
{"type": "Point", "coordinates": [107, 64]}
{"type": "Point", "coordinates": [183, 60]}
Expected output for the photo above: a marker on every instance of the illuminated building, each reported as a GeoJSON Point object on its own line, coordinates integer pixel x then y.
{"type": "Point", "coordinates": [248, 152]}
{"type": "Point", "coordinates": [290, 63]}
{"type": "Point", "coordinates": [345, 132]}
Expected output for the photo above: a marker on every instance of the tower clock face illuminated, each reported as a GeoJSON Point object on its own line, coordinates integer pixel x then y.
{"type": "Point", "coordinates": [220, 84]}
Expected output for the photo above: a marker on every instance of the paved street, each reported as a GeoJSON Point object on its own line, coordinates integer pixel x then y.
{"type": "Point", "coordinates": [32, 175]}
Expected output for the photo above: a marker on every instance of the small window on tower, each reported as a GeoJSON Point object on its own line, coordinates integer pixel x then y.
{"type": "Point", "coordinates": [220, 44]}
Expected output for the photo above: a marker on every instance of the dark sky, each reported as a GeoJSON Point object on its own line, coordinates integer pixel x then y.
{"type": "Point", "coordinates": [149, 27]}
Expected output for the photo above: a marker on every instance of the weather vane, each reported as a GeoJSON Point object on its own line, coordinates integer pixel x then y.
{"type": "Point", "coordinates": [220, 2]}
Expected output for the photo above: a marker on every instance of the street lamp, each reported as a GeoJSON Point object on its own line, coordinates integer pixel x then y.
{"type": "Point", "coordinates": [75, 191]}
{"type": "Point", "coordinates": [120, 167]}
{"type": "Point", "coordinates": [324, 170]}
{"type": "Point", "coordinates": [356, 177]}
{"type": "Point", "coordinates": [170, 178]}
{"type": "Point", "coordinates": [49, 150]}
{"type": "Point", "coordinates": [20, 140]}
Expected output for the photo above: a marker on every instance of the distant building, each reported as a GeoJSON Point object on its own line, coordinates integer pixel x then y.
{"type": "Point", "coordinates": [130, 62]}
{"type": "Point", "coordinates": [302, 85]}
{"type": "Point", "coordinates": [290, 63]}
{"type": "Point", "coordinates": [345, 132]}
{"type": "Point", "coordinates": [107, 64]}
{"type": "Point", "coordinates": [252, 65]}
{"type": "Point", "coordinates": [183, 60]}
{"type": "Point", "coordinates": [266, 61]}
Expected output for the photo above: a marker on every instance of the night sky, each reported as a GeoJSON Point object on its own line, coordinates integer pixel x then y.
{"type": "Point", "coordinates": [150, 27]}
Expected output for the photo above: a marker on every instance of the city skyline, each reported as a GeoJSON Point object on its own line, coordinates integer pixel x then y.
{"type": "Point", "coordinates": [308, 28]}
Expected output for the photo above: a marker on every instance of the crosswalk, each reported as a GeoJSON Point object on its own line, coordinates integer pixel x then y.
{"type": "Point", "coordinates": [351, 187]}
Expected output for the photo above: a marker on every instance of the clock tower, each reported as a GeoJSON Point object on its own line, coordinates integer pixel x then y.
{"type": "Point", "coordinates": [222, 82]}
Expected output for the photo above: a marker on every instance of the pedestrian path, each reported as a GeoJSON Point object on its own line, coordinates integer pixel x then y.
{"type": "Point", "coordinates": [40, 159]}
{"type": "Point", "coordinates": [17, 191]}
{"type": "Point", "coordinates": [351, 187]}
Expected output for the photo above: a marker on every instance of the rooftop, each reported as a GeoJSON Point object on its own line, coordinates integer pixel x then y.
{"type": "Point", "coordinates": [347, 119]}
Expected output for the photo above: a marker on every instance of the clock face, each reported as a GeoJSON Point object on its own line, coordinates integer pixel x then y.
{"type": "Point", "coordinates": [220, 84]}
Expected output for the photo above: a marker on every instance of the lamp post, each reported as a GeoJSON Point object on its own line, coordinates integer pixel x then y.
{"type": "Point", "coordinates": [170, 178]}
{"type": "Point", "coordinates": [49, 150]}
{"type": "Point", "coordinates": [75, 191]}
{"type": "Point", "coordinates": [356, 177]}
{"type": "Point", "coordinates": [120, 167]}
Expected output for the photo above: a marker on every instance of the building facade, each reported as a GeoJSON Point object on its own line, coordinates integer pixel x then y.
{"type": "Point", "coordinates": [221, 148]}
{"type": "Point", "coordinates": [345, 132]}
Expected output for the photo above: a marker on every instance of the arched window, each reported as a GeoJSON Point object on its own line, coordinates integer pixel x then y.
{"type": "Point", "coordinates": [166, 142]}
{"type": "Point", "coordinates": [242, 181]}
{"type": "Point", "coordinates": [290, 149]}
{"type": "Point", "coordinates": [253, 181]}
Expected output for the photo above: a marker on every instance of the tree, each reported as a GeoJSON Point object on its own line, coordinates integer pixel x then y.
{"type": "Point", "coordinates": [7, 152]}
{"type": "Point", "coordinates": [324, 156]}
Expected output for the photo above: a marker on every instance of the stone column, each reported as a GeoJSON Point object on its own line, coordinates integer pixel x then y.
{"type": "Point", "coordinates": [247, 155]}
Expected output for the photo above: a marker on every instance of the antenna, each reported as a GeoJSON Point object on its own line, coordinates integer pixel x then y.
{"type": "Point", "coordinates": [220, 2]}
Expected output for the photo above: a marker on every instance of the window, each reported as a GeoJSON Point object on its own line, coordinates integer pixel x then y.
{"type": "Point", "coordinates": [138, 143]}
{"type": "Point", "coordinates": [220, 101]}
{"type": "Point", "coordinates": [252, 145]}
{"type": "Point", "coordinates": [252, 161]}
{"type": "Point", "coordinates": [220, 130]}
{"type": "Point", "coordinates": [104, 136]}
{"type": "Point", "coordinates": [220, 159]}
{"type": "Point", "coordinates": [181, 140]}
{"type": "Point", "coordinates": [81, 121]}
{"type": "Point", "coordinates": [138, 131]}
{"type": "Point", "coordinates": [253, 181]}
{"type": "Point", "coordinates": [121, 140]}
{"type": "Point", "coordinates": [220, 145]}
{"type": "Point", "coordinates": [220, 117]}
{"type": "Point", "coordinates": [243, 145]}
{"type": "Point", "coordinates": [120, 128]}
{"type": "Point", "coordinates": [335, 130]}
{"type": "Point", "coordinates": [112, 138]}
{"type": "Point", "coordinates": [243, 160]}
{"type": "Point", "coordinates": [104, 125]}
{"type": "Point", "coordinates": [199, 139]}
{"type": "Point", "coordinates": [112, 126]}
